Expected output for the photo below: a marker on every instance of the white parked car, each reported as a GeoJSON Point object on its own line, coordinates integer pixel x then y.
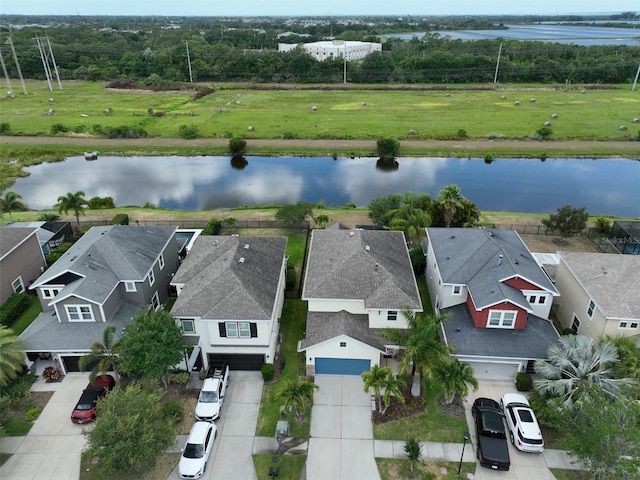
{"type": "Point", "coordinates": [197, 450]}
{"type": "Point", "coordinates": [522, 424]}
{"type": "Point", "coordinates": [212, 393]}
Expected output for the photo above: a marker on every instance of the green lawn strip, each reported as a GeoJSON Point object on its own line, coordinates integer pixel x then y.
{"type": "Point", "coordinates": [395, 468]}
{"type": "Point", "coordinates": [562, 474]}
{"type": "Point", "coordinates": [429, 426]}
{"type": "Point", "coordinates": [28, 316]}
{"type": "Point", "coordinates": [291, 327]}
{"type": "Point", "coordinates": [162, 469]}
{"type": "Point", "coordinates": [4, 457]}
{"type": "Point", "coordinates": [290, 466]}
{"type": "Point", "coordinates": [17, 428]}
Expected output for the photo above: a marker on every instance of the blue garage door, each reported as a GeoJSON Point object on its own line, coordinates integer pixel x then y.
{"type": "Point", "coordinates": [342, 366]}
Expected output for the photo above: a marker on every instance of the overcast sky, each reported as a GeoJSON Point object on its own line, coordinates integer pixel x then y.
{"type": "Point", "coordinates": [249, 8]}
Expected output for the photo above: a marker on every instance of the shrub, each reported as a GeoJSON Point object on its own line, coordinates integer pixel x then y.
{"type": "Point", "coordinates": [48, 217]}
{"type": "Point", "coordinates": [524, 382]}
{"type": "Point", "coordinates": [13, 308]}
{"type": "Point", "coordinates": [172, 410]}
{"type": "Point", "coordinates": [101, 202]}
{"type": "Point", "coordinates": [178, 378]}
{"type": "Point", "coordinates": [58, 128]}
{"type": "Point", "coordinates": [267, 370]}
{"type": "Point", "coordinates": [544, 133]}
{"type": "Point", "coordinates": [350, 205]}
{"type": "Point", "coordinates": [418, 260]}
{"type": "Point", "coordinates": [5, 128]}
{"type": "Point", "coordinates": [213, 227]}
{"type": "Point", "coordinates": [5, 404]}
{"type": "Point", "coordinates": [32, 414]}
{"type": "Point", "coordinates": [603, 225]}
{"type": "Point", "coordinates": [546, 414]}
{"type": "Point", "coordinates": [52, 374]}
{"type": "Point", "coordinates": [388, 147]}
{"type": "Point", "coordinates": [567, 331]}
{"type": "Point", "coordinates": [289, 135]}
{"type": "Point", "coordinates": [19, 387]}
{"type": "Point", "coordinates": [237, 146]}
{"type": "Point", "coordinates": [488, 159]}
{"type": "Point", "coordinates": [53, 257]}
{"type": "Point", "coordinates": [124, 131]}
{"type": "Point", "coordinates": [120, 219]}
{"type": "Point", "coordinates": [462, 133]}
{"type": "Point", "coordinates": [188, 131]}
{"type": "Point", "coordinates": [80, 129]}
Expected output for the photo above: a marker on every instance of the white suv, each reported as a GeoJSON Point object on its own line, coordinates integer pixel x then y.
{"type": "Point", "coordinates": [197, 450]}
{"type": "Point", "coordinates": [522, 424]}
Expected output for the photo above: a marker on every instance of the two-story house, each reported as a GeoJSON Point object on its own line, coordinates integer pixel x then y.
{"type": "Point", "coordinates": [104, 278]}
{"type": "Point", "coordinates": [496, 299]}
{"type": "Point", "coordinates": [21, 260]}
{"type": "Point", "coordinates": [600, 293]}
{"type": "Point", "coordinates": [357, 283]}
{"type": "Point", "coordinates": [230, 298]}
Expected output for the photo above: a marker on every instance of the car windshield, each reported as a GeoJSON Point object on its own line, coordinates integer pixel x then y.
{"type": "Point", "coordinates": [208, 397]}
{"type": "Point", "coordinates": [193, 450]}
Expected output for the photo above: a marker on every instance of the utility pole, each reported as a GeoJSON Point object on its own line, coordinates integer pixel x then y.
{"type": "Point", "coordinates": [55, 67]}
{"type": "Point", "coordinates": [635, 82]}
{"type": "Point", "coordinates": [45, 63]}
{"type": "Point", "coordinates": [495, 76]}
{"type": "Point", "coordinates": [15, 59]}
{"type": "Point", "coordinates": [6, 75]}
{"type": "Point", "coordinates": [189, 61]}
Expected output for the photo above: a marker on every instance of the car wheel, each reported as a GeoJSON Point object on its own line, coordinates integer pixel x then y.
{"type": "Point", "coordinates": [512, 440]}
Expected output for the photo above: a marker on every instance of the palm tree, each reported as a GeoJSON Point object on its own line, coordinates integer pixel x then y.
{"type": "Point", "coordinates": [454, 377]}
{"type": "Point", "coordinates": [72, 201]}
{"type": "Point", "coordinates": [391, 386]}
{"type": "Point", "coordinates": [10, 202]}
{"type": "Point", "coordinates": [11, 355]}
{"type": "Point", "coordinates": [411, 216]}
{"type": "Point", "coordinates": [322, 220]}
{"type": "Point", "coordinates": [628, 356]}
{"type": "Point", "coordinates": [295, 394]}
{"type": "Point", "coordinates": [373, 380]}
{"type": "Point", "coordinates": [102, 357]}
{"type": "Point", "coordinates": [575, 362]}
{"type": "Point", "coordinates": [451, 200]}
{"type": "Point", "coordinates": [422, 347]}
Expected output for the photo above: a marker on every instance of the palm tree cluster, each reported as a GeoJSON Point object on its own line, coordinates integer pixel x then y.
{"type": "Point", "coordinates": [10, 203]}
{"type": "Point", "coordinates": [296, 394]}
{"type": "Point", "coordinates": [382, 379]}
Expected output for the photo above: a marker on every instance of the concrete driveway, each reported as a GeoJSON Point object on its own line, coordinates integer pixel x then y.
{"type": "Point", "coordinates": [231, 455]}
{"type": "Point", "coordinates": [52, 447]}
{"type": "Point", "coordinates": [341, 444]}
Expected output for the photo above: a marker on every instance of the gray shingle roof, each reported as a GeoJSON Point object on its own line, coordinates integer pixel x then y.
{"type": "Point", "coordinates": [10, 238]}
{"type": "Point", "coordinates": [612, 281]}
{"type": "Point", "coordinates": [323, 326]}
{"type": "Point", "coordinates": [371, 265]}
{"type": "Point", "coordinates": [218, 285]}
{"type": "Point", "coordinates": [106, 256]}
{"type": "Point", "coordinates": [483, 259]}
{"type": "Point", "coordinates": [532, 342]}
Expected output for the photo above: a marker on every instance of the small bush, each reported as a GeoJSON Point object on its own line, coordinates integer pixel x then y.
{"type": "Point", "coordinates": [488, 159]}
{"type": "Point", "coordinates": [13, 308]}
{"type": "Point", "coordinates": [49, 217]}
{"type": "Point", "coordinates": [124, 131]}
{"type": "Point", "coordinates": [120, 219]}
{"type": "Point", "coordinates": [213, 227]}
{"type": "Point", "coordinates": [388, 147]}
{"type": "Point", "coordinates": [350, 205]}
{"type": "Point", "coordinates": [289, 135]}
{"type": "Point", "coordinates": [52, 374]}
{"type": "Point", "coordinates": [19, 388]}
{"type": "Point", "coordinates": [544, 133]}
{"type": "Point", "coordinates": [267, 370]}
{"type": "Point", "coordinates": [53, 257]}
{"type": "Point", "coordinates": [462, 133]}
{"type": "Point", "coordinates": [567, 331]}
{"type": "Point", "coordinates": [524, 382]}
{"type": "Point", "coordinates": [603, 225]}
{"type": "Point", "coordinates": [32, 414]}
{"type": "Point", "coordinates": [172, 410]}
{"type": "Point", "coordinates": [80, 129]}
{"type": "Point", "coordinates": [188, 131]}
{"type": "Point", "coordinates": [237, 146]}
{"type": "Point", "coordinates": [5, 128]}
{"type": "Point", "coordinates": [179, 378]}
{"type": "Point", "coordinates": [58, 128]}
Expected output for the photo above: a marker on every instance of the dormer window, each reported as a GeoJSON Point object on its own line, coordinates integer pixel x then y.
{"type": "Point", "coordinates": [457, 289]}
{"type": "Point", "coordinates": [501, 319]}
{"type": "Point", "coordinates": [130, 286]}
{"type": "Point", "coordinates": [50, 292]}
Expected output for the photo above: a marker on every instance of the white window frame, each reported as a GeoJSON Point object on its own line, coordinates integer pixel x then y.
{"type": "Point", "coordinates": [50, 292]}
{"type": "Point", "coordinates": [130, 287]}
{"type": "Point", "coordinates": [575, 323]}
{"type": "Point", "coordinates": [152, 278]}
{"type": "Point", "coordinates": [187, 321]}
{"type": "Point", "coordinates": [591, 308]}
{"type": "Point", "coordinates": [392, 315]}
{"type": "Point", "coordinates": [17, 285]}
{"type": "Point", "coordinates": [155, 301]}
{"type": "Point", "coordinates": [232, 329]}
{"type": "Point", "coordinates": [628, 325]}
{"type": "Point", "coordinates": [84, 313]}
{"type": "Point", "coordinates": [161, 261]}
{"type": "Point", "coordinates": [503, 319]}
{"type": "Point", "coordinates": [244, 329]}
{"type": "Point", "coordinates": [457, 289]}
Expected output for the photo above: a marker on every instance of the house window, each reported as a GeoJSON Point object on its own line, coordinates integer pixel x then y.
{"type": "Point", "coordinates": [628, 325]}
{"type": "Point", "coordinates": [238, 329]}
{"type": "Point", "coordinates": [537, 299]}
{"type": "Point", "coordinates": [542, 299]}
{"type": "Point", "coordinates": [161, 261]}
{"type": "Point", "coordinates": [17, 285]}
{"type": "Point", "coordinates": [152, 278]}
{"type": "Point", "coordinates": [188, 325]}
{"type": "Point", "coordinates": [50, 292]}
{"type": "Point", "coordinates": [343, 344]}
{"type": "Point", "coordinates": [590, 310]}
{"type": "Point", "coordinates": [130, 286]}
{"type": "Point", "coordinates": [501, 319]}
{"type": "Point", "coordinates": [232, 329]}
{"type": "Point", "coordinates": [243, 330]}
{"type": "Point", "coordinates": [392, 315]}
{"type": "Point", "coordinates": [155, 301]}
{"type": "Point", "coordinates": [79, 313]}
{"type": "Point", "coordinates": [457, 289]}
{"type": "Point", "coordinates": [575, 325]}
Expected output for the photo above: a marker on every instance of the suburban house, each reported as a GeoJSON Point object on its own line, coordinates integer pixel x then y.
{"type": "Point", "coordinates": [230, 296]}
{"type": "Point", "coordinates": [21, 260]}
{"type": "Point", "coordinates": [600, 293]}
{"type": "Point", "coordinates": [50, 234]}
{"type": "Point", "coordinates": [103, 279]}
{"type": "Point", "coordinates": [495, 296]}
{"type": "Point", "coordinates": [357, 283]}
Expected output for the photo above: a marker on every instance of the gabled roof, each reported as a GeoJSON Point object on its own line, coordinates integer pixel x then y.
{"type": "Point", "coordinates": [369, 265]}
{"type": "Point", "coordinates": [11, 238]}
{"type": "Point", "coordinates": [611, 281]}
{"type": "Point", "coordinates": [483, 259]}
{"type": "Point", "coordinates": [230, 278]}
{"type": "Point", "coordinates": [106, 256]}
{"type": "Point", "coordinates": [323, 326]}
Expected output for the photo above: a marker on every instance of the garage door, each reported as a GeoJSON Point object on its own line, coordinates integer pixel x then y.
{"type": "Point", "coordinates": [70, 363]}
{"type": "Point", "coordinates": [495, 371]}
{"type": "Point", "coordinates": [240, 362]}
{"type": "Point", "coordinates": [342, 366]}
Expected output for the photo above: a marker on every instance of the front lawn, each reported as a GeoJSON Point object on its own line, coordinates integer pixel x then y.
{"type": "Point", "coordinates": [561, 474]}
{"type": "Point", "coordinates": [396, 468]}
{"type": "Point", "coordinates": [290, 466]}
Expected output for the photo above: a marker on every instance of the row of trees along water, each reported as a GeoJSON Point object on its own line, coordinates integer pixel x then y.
{"type": "Point", "coordinates": [154, 51]}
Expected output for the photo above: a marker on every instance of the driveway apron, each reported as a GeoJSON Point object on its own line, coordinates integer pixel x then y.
{"type": "Point", "coordinates": [341, 443]}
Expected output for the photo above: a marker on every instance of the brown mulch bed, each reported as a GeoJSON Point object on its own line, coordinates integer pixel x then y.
{"type": "Point", "coordinates": [36, 399]}
{"type": "Point", "coordinates": [413, 406]}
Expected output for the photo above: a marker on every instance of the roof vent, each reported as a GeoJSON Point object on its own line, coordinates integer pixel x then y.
{"type": "Point", "coordinates": [246, 246]}
{"type": "Point", "coordinates": [215, 242]}
{"type": "Point", "coordinates": [491, 234]}
{"type": "Point", "coordinates": [499, 260]}
{"type": "Point", "coordinates": [452, 237]}
{"type": "Point", "coordinates": [367, 248]}
{"type": "Point", "coordinates": [376, 267]}
{"type": "Point", "coordinates": [241, 260]}
{"type": "Point", "coordinates": [351, 234]}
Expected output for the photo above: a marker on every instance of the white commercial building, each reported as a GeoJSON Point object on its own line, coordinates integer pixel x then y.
{"type": "Point", "coordinates": [350, 50]}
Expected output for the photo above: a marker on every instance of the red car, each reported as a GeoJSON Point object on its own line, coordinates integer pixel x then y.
{"type": "Point", "coordinates": [85, 410]}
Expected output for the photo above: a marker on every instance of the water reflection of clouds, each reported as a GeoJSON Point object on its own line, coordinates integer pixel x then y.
{"type": "Point", "coordinates": [362, 185]}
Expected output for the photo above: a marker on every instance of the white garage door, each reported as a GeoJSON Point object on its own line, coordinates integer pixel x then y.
{"type": "Point", "coordinates": [494, 371]}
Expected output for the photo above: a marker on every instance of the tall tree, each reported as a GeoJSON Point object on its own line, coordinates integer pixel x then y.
{"type": "Point", "coordinates": [373, 380]}
{"type": "Point", "coordinates": [296, 393]}
{"type": "Point", "coordinates": [568, 221]}
{"type": "Point", "coordinates": [74, 202]}
{"type": "Point", "coordinates": [574, 362]}
{"type": "Point", "coordinates": [103, 355]}
{"type": "Point", "coordinates": [421, 345]}
{"type": "Point", "coordinates": [151, 344]}
{"type": "Point", "coordinates": [454, 377]}
{"type": "Point", "coordinates": [451, 200]}
{"type": "Point", "coordinates": [294, 212]}
{"type": "Point", "coordinates": [11, 355]}
{"type": "Point", "coordinates": [412, 215]}
{"type": "Point", "coordinates": [379, 208]}
{"type": "Point", "coordinates": [10, 202]}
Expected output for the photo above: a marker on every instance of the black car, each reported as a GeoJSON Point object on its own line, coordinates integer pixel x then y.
{"type": "Point", "coordinates": [493, 448]}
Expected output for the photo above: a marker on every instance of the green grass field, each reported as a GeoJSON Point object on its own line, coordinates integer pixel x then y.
{"type": "Point", "coordinates": [341, 114]}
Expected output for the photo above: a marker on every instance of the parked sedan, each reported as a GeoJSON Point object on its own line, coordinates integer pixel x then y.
{"type": "Point", "coordinates": [197, 450]}
{"type": "Point", "coordinates": [85, 410]}
{"type": "Point", "coordinates": [523, 427]}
